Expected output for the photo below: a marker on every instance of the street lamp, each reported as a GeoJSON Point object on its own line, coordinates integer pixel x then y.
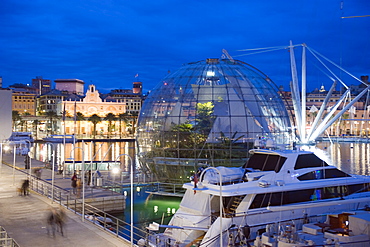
{"type": "Point", "coordinates": [52, 173]}
{"type": "Point", "coordinates": [83, 179]}
{"type": "Point", "coordinates": [201, 187]}
{"type": "Point", "coordinates": [6, 148]}
{"type": "Point", "coordinates": [131, 197]}
{"type": "Point", "coordinates": [14, 153]}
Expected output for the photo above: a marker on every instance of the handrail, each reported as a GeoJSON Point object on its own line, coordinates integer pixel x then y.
{"type": "Point", "coordinates": [100, 218]}
{"type": "Point", "coordinates": [5, 240]}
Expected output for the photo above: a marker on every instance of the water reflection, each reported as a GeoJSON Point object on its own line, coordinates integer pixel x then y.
{"type": "Point", "coordinates": [349, 157]}
{"type": "Point", "coordinates": [92, 151]}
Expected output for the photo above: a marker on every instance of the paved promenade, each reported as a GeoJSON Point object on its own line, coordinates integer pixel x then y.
{"type": "Point", "coordinates": [24, 217]}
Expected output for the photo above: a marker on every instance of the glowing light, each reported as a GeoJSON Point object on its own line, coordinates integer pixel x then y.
{"type": "Point", "coordinates": [115, 170]}
{"type": "Point", "coordinates": [155, 209]}
{"type": "Point", "coordinates": [173, 210]}
{"type": "Point", "coordinates": [210, 73]}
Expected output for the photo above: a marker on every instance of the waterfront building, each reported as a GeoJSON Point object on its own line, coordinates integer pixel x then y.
{"type": "Point", "coordinates": [72, 86]}
{"type": "Point", "coordinates": [42, 114]}
{"type": "Point", "coordinates": [91, 104]}
{"type": "Point", "coordinates": [41, 85]}
{"type": "Point", "coordinates": [49, 101]}
{"type": "Point", "coordinates": [132, 97]}
{"type": "Point", "coordinates": [23, 99]}
{"type": "Point", "coordinates": [5, 113]}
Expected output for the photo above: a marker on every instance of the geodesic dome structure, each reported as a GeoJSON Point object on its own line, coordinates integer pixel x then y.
{"type": "Point", "coordinates": [208, 113]}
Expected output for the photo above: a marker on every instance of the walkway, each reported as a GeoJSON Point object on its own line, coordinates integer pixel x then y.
{"type": "Point", "coordinates": [24, 217]}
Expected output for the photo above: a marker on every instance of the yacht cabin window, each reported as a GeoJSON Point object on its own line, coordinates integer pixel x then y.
{"type": "Point", "coordinates": [309, 160]}
{"type": "Point", "coordinates": [300, 196]}
{"type": "Point", "coordinates": [323, 174]}
{"type": "Point", "coordinates": [265, 162]}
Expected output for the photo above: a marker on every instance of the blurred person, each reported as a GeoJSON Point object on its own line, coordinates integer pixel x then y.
{"type": "Point", "coordinates": [74, 182]}
{"type": "Point", "coordinates": [25, 187]}
{"type": "Point", "coordinates": [60, 218]}
{"type": "Point", "coordinates": [51, 221]}
{"type": "Point", "coordinates": [79, 186]}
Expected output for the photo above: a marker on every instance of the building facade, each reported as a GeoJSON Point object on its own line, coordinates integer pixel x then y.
{"type": "Point", "coordinates": [42, 85]}
{"type": "Point", "coordinates": [73, 86]}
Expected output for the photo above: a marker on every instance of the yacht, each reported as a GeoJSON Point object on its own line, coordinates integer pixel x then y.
{"type": "Point", "coordinates": [231, 206]}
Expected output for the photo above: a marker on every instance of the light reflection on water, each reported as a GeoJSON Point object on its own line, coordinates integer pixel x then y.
{"type": "Point", "coordinates": [349, 157]}
{"type": "Point", "coordinates": [148, 209]}
{"type": "Point", "coordinates": [87, 151]}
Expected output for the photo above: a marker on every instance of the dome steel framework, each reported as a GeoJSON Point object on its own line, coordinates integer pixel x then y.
{"type": "Point", "coordinates": [208, 113]}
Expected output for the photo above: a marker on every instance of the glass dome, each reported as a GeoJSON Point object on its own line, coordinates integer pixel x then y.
{"type": "Point", "coordinates": [208, 113]}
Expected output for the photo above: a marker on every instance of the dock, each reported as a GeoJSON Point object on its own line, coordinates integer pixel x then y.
{"type": "Point", "coordinates": [24, 217]}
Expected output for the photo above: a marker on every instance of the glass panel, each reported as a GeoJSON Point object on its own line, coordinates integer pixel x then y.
{"type": "Point", "coordinates": [209, 112]}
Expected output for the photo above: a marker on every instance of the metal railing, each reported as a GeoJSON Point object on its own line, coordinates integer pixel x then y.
{"type": "Point", "coordinates": [170, 188]}
{"type": "Point", "coordinates": [5, 240]}
{"type": "Point", "coordinates": [94, 215]}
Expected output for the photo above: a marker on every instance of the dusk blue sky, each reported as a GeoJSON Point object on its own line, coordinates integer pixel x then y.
{"type": "Point", "coordinates": [108, 42]}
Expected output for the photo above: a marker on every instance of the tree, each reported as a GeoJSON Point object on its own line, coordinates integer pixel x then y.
{"type": "Point", "coordinates": [94, 119]}
{"type": "Point", "coordinates": [52, 116]}
{"type": "Point", "coordinates": [134, 117]}
{"type": "Point", "coordinates": [122, 117]}
{"type": "Point", "coordinates": [35, 125]}
{"type": "Point", "coordinates": [110, 117]}
{"type": "Point", "coordinates": [79, 117]}
{"type": "Point", "coordinates": [16, 117]}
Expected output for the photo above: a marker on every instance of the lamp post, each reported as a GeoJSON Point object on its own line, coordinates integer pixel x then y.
{"type": "Point", "coordinates": [14, 153]}
{"type": "Point", "coordinates": [221, 203]}
{"type": "Point", "coordinates": [52, 169]}
{"type": "Point", "coordinates": [131, 198]}
{"type": "Point", "coordinates": [83, 180]}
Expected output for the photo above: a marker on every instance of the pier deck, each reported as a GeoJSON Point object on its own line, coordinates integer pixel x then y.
{"type": "Point", "coordinates": [24, 217]}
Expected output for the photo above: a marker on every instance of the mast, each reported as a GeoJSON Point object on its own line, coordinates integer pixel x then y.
{"type": "Point", "coordinates": [303, 125]}
{"type": "Point", "coordinates": [64, 139]}
{"type": "Point", "coordinates": [295, 91]}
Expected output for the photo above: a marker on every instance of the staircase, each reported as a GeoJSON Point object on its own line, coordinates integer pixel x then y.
{"type": "Point", "coordinates": [234, 204]}
{"type": "Point", "coordinates": [196, 241]}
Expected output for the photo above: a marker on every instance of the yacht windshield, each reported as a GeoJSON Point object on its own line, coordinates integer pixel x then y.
{"type": "Point", "coordinates": [265, 162]}
{"type": "Point", "coordinates": [309, 160]}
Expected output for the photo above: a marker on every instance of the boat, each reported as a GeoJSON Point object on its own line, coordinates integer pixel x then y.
{"type": "Point", "coordinates": [345, 229]}
{"type": "Point", "coordinates": [60, 138]}
{"type": "Point", "coordinates": [230, 206]}
{"type": "Point", "coordinates": [21, 137]}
